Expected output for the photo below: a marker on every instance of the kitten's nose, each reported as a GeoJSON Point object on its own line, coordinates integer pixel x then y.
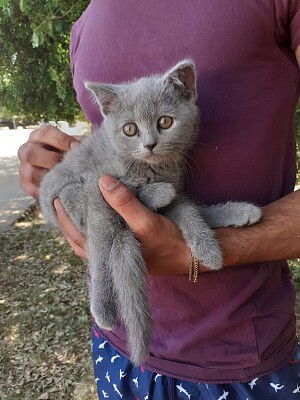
{"type": "Point", "coordinates": [150, 146]}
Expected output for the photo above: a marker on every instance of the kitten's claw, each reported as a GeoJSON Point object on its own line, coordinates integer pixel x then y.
{"type": "Point", "coordinates": [249, 215]}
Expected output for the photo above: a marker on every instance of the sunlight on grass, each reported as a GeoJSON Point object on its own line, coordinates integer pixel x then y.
{"type": "Point", "coordinates": [48, 290]}
{"type": "Point", "coordinates": [60, 269]}
{"type": "Point", "coordinates": [65, 358]}
{"type": "Point", "coordinates": [13, 335]}
{"type": "Point", "coordinates": [20, 258]}
{"type": "Point", "coordinates": [31, 222]}
{"type": "Point", "coordinates": [24, 224]}
{"type": "Point", "coordinates": [85, 390]}
{"type": "Point", "coordinates": [60, 240]}
{"type": "Point", "coordinates": [45, 322]}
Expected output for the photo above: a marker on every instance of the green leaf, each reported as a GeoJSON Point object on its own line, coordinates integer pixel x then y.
{"type": "Point", "coordinates": [50, 28]}
{"type": "Point", "coordinates": [35, 40]}
{"type": "Point", "coordinates": [22, 5]}
{"type": "Point", "coordinates": [4, 3]}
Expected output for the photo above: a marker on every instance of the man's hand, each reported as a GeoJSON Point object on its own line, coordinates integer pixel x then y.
{"type": "Point", "coordinates": [44, 148]}
{"type": "Point", "coordinates": [75, 239]}
{"type": "Point", "coordinates": [164, 249]}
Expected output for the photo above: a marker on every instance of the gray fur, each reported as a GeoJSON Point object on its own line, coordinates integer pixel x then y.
{"type": "Point", "coordinates": [118, 270]}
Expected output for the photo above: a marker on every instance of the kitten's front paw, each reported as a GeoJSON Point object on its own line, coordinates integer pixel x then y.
{"type": "Point", "coordinates": [209, 254]}
{"type": "Point", "coordinates": [248, 214]}
{"type": "Point", "coordinates": [157, 195]}
{"type": "Point", "coordinates": [212, 261]}
{"type": "Point", "coordinates": [165, 193]}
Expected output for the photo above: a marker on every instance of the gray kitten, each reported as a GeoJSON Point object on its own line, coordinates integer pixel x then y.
{"type": "Point", "coordinates": [149, 124]}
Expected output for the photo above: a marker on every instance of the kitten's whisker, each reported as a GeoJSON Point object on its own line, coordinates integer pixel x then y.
{"type": "Point", "coordinates": [186, 166]}
{"type": "Point", "coordinates": [182, 157]}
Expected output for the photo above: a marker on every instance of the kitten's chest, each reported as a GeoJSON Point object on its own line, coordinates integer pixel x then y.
{"type": "Point", "coordinates": [136, 179]}
{"type": "Point", "coordinates": [141, 178]}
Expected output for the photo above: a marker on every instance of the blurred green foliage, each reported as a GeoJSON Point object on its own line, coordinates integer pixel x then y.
{"type": "Point", "coordinates": [35, 77]}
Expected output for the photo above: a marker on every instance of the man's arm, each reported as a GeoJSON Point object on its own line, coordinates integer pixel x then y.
{"type": "Point", "coordinates": [276, 237]}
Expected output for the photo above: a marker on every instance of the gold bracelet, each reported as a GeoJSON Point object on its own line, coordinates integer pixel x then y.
{"type": "Point", "coordinates": [193, 268]}
{"type": "Point", "coordinates": [196, 270]}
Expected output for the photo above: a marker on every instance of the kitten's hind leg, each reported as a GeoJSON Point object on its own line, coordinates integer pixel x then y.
{"type": "Point", "coordinates": [196, 232]}
{"type": "Point", "coordinates": [231, 214]}
{"type": "Point", "coordinates": [100, 232]}
{"type": "Point", "coordinates": [129, 276]}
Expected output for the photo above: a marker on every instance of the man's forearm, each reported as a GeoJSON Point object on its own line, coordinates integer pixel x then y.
{"type": "Point", "coordinates": [275, 237]}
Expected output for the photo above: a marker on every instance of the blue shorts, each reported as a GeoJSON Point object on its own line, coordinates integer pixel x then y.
{"type": "Point", "coordinates": [116, 378]}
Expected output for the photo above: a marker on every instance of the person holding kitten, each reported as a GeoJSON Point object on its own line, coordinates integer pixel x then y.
{"type": "Point", "coordinates": [232, 334]}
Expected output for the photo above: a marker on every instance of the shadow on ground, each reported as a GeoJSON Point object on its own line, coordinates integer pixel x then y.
{"type": "Point", "coordinates": [13, 200]}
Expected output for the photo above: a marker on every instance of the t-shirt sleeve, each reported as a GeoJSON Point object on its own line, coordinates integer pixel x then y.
{"type": "Point", "coordinates": [295, 26]}
{"type": "Point", "coordinates": [73, 40]}
{"type": "Point", "coordinates": [287, 22]}
{"type": "Point", "coordinates": [75, 37]}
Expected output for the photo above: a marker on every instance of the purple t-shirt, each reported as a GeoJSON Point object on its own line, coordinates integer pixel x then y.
{"type": "Point", "coordinates": [238, 323]}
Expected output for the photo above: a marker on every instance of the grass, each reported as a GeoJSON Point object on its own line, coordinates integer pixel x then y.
{"type": "Point", "coordinates": [295, 272]}
{"type": "Point", "coordinates": [45, 321]}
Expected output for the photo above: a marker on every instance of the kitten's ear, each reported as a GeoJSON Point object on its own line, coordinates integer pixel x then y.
{"type": "Point", "coordinates": [183, 76]}
{"type": "Point", "coordinates": [104, 94]}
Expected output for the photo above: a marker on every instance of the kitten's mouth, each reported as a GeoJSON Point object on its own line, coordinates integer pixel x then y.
{"type": "Point", "coordinates": [157, 157]}
{"type": "Point", "coordinates": [152, 157]}
{"type": "Point", "coordinates": [150, 154]}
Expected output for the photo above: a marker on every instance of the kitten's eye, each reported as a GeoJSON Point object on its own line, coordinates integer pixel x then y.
{"type": "Point", "coordinates": [165, 122]}
{"type": "Point", "coordinates": [130, 129]}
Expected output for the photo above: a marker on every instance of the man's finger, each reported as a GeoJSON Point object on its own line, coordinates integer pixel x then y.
{"type": "Point", "coordinates": [139, 218]}
{"type": "Point", "coordinates": [37, 156]}
{"type": "Point", "coordinates": [79, 251]}
{"type": "Point", "coordinates": [51, 136]}
{"type": "Point", "coordinates": [31, 174]}
{"type": "Point", "coordinates": [70, 232]}
{"type": "Point", "coordinates": [29, 188]}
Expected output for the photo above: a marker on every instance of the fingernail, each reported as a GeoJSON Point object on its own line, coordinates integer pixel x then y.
{"type": "Point", "coordinates": [55, 203]}
{"type": "Point", "coordinates": [108, 182]}
{"type": "Point", "coordinates": [74, 144]}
